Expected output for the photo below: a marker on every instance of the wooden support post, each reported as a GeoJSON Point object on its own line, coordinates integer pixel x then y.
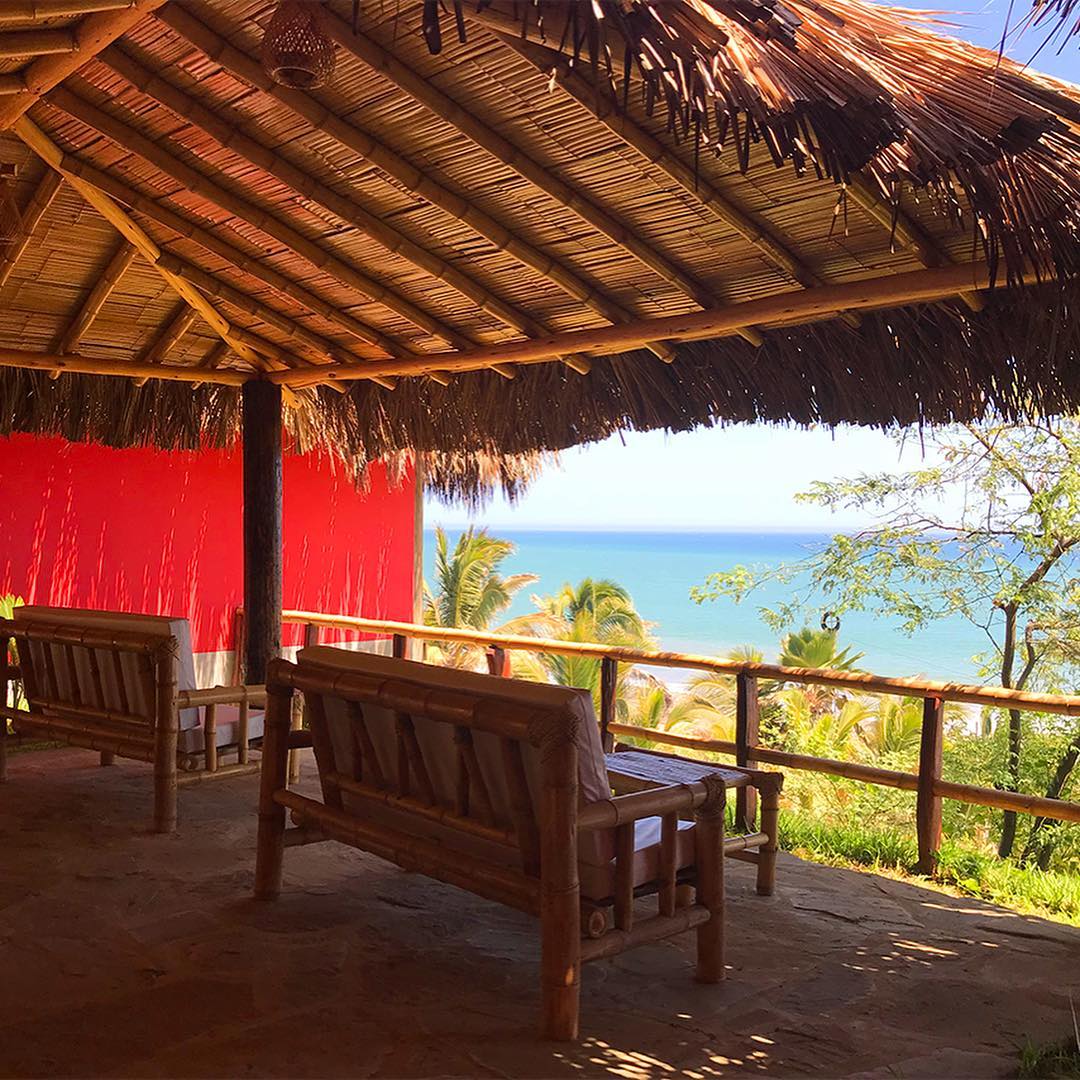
{"type": "Point", "coordinates": [311, 635]}
{"type": "Point", "coordinates": [560, 894]}
{"type": "Point", "coordinates": [496, 661]}
{"type": "Point", "coordinates": [928, 801]}
{"type": "Point", "coordinates": [770, 826]}
{"type": "Point", "coordinates": [270, 843]}
{"type": "Point", "coordinates": [107, 758]}
{"type": "Point", "coordinates": [399, 646]}
{"type": "Point", "coordinates": [747, 722]}
{"type": "Point", "coordinates": [609, 678]}
{"type": "Point", "coordinates": [262, 526]}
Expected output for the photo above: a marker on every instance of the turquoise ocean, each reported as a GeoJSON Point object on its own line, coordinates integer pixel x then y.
{"type": "Point", "coordinates": [659, 569]}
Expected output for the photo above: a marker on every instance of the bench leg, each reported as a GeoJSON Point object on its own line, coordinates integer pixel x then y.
{"type": "Point", "coordinates": [709, 855]}
{"type": "Point", "coordinates": [3, 749]}
{"type": "Point", "coordinates": [270, 844]}
{"type": "Point", "coordinates": [770, 825]}
{"type": "Point", "coordinates": [107, 757]}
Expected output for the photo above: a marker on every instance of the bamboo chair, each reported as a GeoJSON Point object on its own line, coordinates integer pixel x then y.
{"type": "Point", "coordinates": [497, 786]}
{"type": "Point", "coordinates": [124, 685]}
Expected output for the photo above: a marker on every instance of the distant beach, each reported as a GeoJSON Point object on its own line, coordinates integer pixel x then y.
{"type": "Point", "coordinates": [659, 569]}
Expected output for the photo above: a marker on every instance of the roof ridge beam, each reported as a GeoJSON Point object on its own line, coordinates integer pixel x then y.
{"type": "Point", "coordinates": [156, 153]}
{"type": "Point", "coordinates": [39, 203]}
{"type": "Point", "coordinates": [272, 278]}
{"type": "Point", "coordinates": [346, 133]}
{"type": "Point", "coordinates": [121, 258]}
{"type": "Point", "coordinates": [91, 36]}
{"type": "Point", "coordinates": [256, 153]}
{"type": "Point", "coordinates": [784, 309]}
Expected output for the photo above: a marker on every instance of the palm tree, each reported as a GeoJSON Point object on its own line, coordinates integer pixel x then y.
{"type": "Point", "coordinates": [469, 590]}
{"type": "Point", "coordinates": [810, 648]}
{"type": "Point", "coordinates": [594, 610]}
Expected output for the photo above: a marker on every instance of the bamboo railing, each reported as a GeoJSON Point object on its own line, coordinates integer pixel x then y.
{"type": "Point", "coordinates": [927, 782]}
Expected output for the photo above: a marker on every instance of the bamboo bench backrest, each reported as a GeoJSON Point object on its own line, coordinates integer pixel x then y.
{"type": "Point", "coordinates": [103, 677]}
{"type": "Point", "coordinates": [461, 765]}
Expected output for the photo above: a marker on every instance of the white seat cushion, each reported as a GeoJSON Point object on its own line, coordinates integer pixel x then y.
{"type": "Point", "coordinates": [598, 877]}
{"type": "Point", "coordinates": [226, 725]}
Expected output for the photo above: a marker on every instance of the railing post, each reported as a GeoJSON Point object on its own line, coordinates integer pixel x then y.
{"type": "Point", "coordinates": [609, 678]}
{"type": "Point", "coordinates": [240, 647]}
{"type": "Point", "coordinates": [747, 724]}
{"type": "Point", "coordinates": [928, 802]}
{"type": "Point", "coordinates": [311, 634]}
{"type": "Point", "coordinates": [399, 646]}
{"type": "Point", "coordinates": [496, 661]}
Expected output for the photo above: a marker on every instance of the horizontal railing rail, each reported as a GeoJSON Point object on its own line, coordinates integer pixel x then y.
{"type": "Point", "coordinates": [927, 782]}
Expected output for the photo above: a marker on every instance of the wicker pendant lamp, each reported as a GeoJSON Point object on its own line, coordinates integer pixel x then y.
{"type": "Point", "coordinates": [11, 223]}
{"type": "Point", "coordinates": [296, 50]}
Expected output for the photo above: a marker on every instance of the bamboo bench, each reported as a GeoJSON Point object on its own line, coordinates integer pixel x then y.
{"type": "Point", "coordinates": [499, 787]}
{"type": "Point", "coordinates": [124, 685]}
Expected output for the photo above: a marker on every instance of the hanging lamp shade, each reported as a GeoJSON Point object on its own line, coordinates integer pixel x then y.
{"type": "Point", "coordinates": [296, 50]}
{"type": "Point", "coordinates": [11, 223]}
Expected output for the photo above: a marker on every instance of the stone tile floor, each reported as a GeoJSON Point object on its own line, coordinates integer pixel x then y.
{"type": "Point", "coordinates": [129, 954]}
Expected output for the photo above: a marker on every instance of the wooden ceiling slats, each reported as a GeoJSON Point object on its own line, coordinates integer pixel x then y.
{"type": "Point", "coordinates": [360, 142]}
{"type": "Point", "coordinates": [40, 201]}
{"type": "Point", "coordinates": [207, 187]}
{"type": "Point", "coordinates": [462, 120]}
{"type": "Point", "coordinates": [51, 154]}
{"type": "Point", "coordinates": [91, 36]}
{"type": "Point", "coordinates": [88, 311]}
{"type": "Point", "coordinates": [256, 153]}
{"type": "Point", "coordinates": [210, 241]}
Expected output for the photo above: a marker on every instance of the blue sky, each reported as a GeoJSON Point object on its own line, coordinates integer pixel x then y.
{"type": "Point", "coordinates": [741, 476]}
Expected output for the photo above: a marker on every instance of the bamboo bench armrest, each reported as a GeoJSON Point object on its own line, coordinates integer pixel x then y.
{"type": "Point", "coordinates": [622, 809]}
{"type": "Point", "coordinates": [221, 695]}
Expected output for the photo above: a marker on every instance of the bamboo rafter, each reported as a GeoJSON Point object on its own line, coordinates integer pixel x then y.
{"type": "Point", "coordinates": [91, 36]}
{"type": "Point", "coordinates": [31, 361]}
{"type": "Point", "coordinates": [590, 210]}
{"type": "Point", "coordinates": [11, 84]}
{"type": "Point", "coordinates": [180, 322]}
{"type": "Point", "coordinates": [50, 153]}
{"type": "Point", "coordinates": [155, 211]}
{"type": "Point", "coordinates": [34, 11]}
{"type": "Point", "coordinates": [348, 134]}
{"type": "Point", "coordinates": [348, 209]}
{"type": "Point", "coordinates": [16, 44]}
{"type": "Point", "coordinates": [80, 322]}
{"type": "Point", "coordinates": [193, 180]}
{"type": "Point", "coordinates": [35, 210]}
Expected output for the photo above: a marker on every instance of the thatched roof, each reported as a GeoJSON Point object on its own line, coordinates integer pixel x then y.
{"type": "Point", "coordinates": [515, 227]}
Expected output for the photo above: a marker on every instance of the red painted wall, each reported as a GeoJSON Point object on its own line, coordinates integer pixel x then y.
{"type": "Point", "coordinates": [148, 531]}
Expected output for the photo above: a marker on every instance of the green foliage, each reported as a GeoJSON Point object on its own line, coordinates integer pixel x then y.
{"type": "Point", "coordinates": [8, 604]}
{"type": "Point", "coordinates": [810, 648]}
{"type": "Point", "coordinates": [1007, 562]}
{"type": "Point", "coordinates": [594, 610]}
{"type": "Point", "coordinates": [469, 591]}
{"type": "Point", "coordinates": [1050, 1061]}
{"type": "Point", "coordinates": [852, 843]}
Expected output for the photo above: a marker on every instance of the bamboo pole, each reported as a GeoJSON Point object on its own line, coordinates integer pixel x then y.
{"type": "Point", "coordinates": [425, 186]}
{"type": "Point", "coordinates": [20, 358]}
{"type": "Point", "coordinates": [35, 11]}
{"type": "Point", "coordinates": [709, 867]}
{"type": "Point", "coordinates": [39, 203]}
{"type": "Point", "coordinates": [347, 208]}
{"type": "Point", "coordinates": [92, 35]}
{"type": "Point", "coordinates": [269, 843]}
{"type": "Point", "coordinates": [560, 909]}
{"type": "Point", "coordinates": [747, 733]}
{"type": "Point", "coordinates": [11, 84]}
{"type": "Point", "coordinates": [5, 687]}
{"type": "Point", "coordinates": [785, 309]}
{"type": "Point", "coordinates": [655, 929]}
{"type": "Point", "coordinates": [170, 334]}
{"type": "Point", "coordinates": [51, 154]}
{"type": "Point", "coordinates": [346, 273]}
{"type": "Point", "coordinates": [1058, 809]}
{"type": "Point", "coordinates": [21, 43]}
{"type": "Point", "coordinates": [80, 323]}
{"type": "Point", "coordinates": [928, 801]}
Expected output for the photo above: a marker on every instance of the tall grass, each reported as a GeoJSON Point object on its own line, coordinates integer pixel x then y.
{"type": "Point", "coordinates": [1032, 891]}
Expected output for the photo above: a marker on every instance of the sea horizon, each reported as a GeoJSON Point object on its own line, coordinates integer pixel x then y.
{"type": "Point", "coordinates": [659, 566]}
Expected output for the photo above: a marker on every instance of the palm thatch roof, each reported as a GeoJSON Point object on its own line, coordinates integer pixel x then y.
{"type": "Point", "coordinates": [507, 227]}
